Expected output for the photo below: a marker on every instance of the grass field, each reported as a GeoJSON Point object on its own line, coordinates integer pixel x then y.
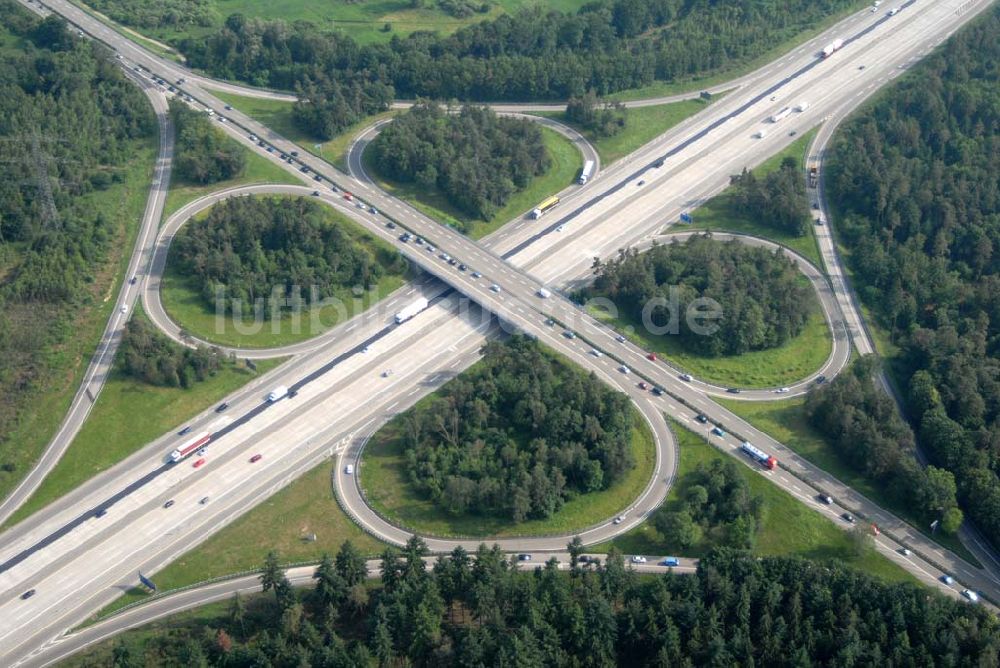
{"type": "Point", "coordinates": [277, 115]}
{"type": "Point", "coordinates": [123, 204]}
{"type": "Point", "coordinates": [258, 170]}
{"type": "Point", "coordinates": [789, 527]}
{"type": "Point", "coordinates": [643, 125]}
{"type": "Point", "coordinates": [280, 523]}
{"type": "Point", "coordinates": [719, 213]}
{"type": "Point", "coordinates": [566, 164]}
{"type": "Point", "coordinates": [383, 478]}
{"type": "Point", "coordinates": [786, 422]}
{"type": "Point", "coordinates": [184, 304]}
{"type": "Point", "coordinates": [774, 367]}
{"type": "Point", "coordinates": [112, 432]}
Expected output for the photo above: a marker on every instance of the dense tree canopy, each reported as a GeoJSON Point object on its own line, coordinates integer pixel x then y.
{"type": "Point", "coordinates": [868, 433]}
{"type": "Point", "coordinates": [764, 298]}
{"type": "Point", "coordinates": [153, 358]}
{"type": "Point", "coordinates": [600, 118]}
{"type": "Point", "coordinates": [70, 127]}
{"type": "Point", "coordinates": [607, 46]}
{"type": "Point", "coordinates": [477, 610]}
{"type": "Point", "coordinates": [518, 435]}
{"type": "Point", "coordinates": [277, 253]}
{"type": "Point", "coordinates": [474, 157]}
{"type": "Point", "coordinates": [917, 176]}
{"type": "Point", "coordinates": [778, 200]}
{"type": "Point", "coordinates": [203, 153]}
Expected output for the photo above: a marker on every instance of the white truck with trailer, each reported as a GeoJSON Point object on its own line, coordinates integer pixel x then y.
{"type": "Point", "coordinates": [411, 310]}
{"type": "Point", "coordinates": [588, 170]}
{"type": "Point", "coordinates": [277, 393]}
{"type": "Point", "coordinates": [781, 114]}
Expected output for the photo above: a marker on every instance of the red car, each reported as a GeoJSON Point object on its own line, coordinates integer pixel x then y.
{"type": "Point", "coordinates": [651, 356]}
{"type": "Point", "coordinates": [255, 458]}
{"type": "Point", "coordinates": [199, 462]}
{"type": "Point", "coordinates": [642, 386]}
{"type": "Point", "coordinates": [348, 196]}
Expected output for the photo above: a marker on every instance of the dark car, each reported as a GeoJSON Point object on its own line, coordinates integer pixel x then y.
{"type": "Point", "coordinates": [658, 391]}
{"type": "Point", "coordinates": [168, 503]}
{"type": "Point", "coordinates": [304, 169]}
{"type": "Point", "coordinates": [221, 407]}
{"type": "Point", "coordinates": [315, 193]}
{"type": "Point", "coordinates": [101, 513]}
{"type": "Point", "coordinates": [733, 390]}
{"type": "Point", "coordinates": [255, 459]}
{"type": "Point", "coordinates": [848, 517]}
{"type": "Point", "coordinates": [702, 419]}
{"type": "Point", "coordinates": [317, 178]}
{"type": "Point", "coordinates": [524, 557]}
{"type": "Point", "coordinates": [820, 380]}
{"type": "Point", "coordinates": [391, 225]}
{"type": "Point", "coordinates": [295, 153]}
{"type": "Point", "coordinates": [132, 280]}
{"type": "Point", "coordinates": [183, 431]}
{"type": "Point", "coordinates": [28, 594]}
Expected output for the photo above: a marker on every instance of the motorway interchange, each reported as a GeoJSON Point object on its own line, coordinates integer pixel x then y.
{"type": "Point", "coordinates": [80, 550]}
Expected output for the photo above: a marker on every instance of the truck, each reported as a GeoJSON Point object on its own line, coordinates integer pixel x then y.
{"type": "Point", "coordinates": [588, 170]}
{"type": "Point", "coordinates": [758, 455]}
{"type": "Point", "coordinates": [813, 177]}
{"type": "Point", "coordinates": [540, 210]}
{"type": "Point", "coordinates": [190, 445]}
{"type": "Point", "coordinates": [781, 114]}
{"type": "Point", "coordinates": [832, 46]}
{"type": "Point", "coordinates": [544, 293]}
{"type": "Point", "coordinates": [411, 310]}
{"type": "Point", "coordinates": [277, 393]}
{"type": "Point", "coordinates": [801, 106]}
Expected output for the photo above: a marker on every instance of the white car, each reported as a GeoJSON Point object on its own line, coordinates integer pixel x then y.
{"type": "Point", "coordinates": [686, 377]}
{"type": "Point", "coordinates": [947, 579]}
{"type": "Point", "coordinates": [620, 338]}
{"type": "Point", "coordinates": [619, 519]}
{"type": "Point", "coordinates": [971, 595]}
{"type": "Point", "coordinates": [495, 288]}
{"type": "Point", "coordinates": [349, 469]}
{"type": "Point", "coordinates": [596, 353]}
{"type": "Point", "coordinates": [781, 390]}
{"type": "Point", "coordinates": [124, 308]}
{"type": "Point", "coordinates": [905, 551]}
{"type": "Point", "coordinates": [636, 559]}
{"type": "Point", "coordinates": [624, 369]}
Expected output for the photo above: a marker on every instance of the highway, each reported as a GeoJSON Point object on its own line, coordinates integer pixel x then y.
{"type": "Point", "coordinates": [514, 300]}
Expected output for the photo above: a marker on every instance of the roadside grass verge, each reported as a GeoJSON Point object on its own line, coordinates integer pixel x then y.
{"type": "Point", "coordinates": [277, 115]}
{"type": "Point", "coordinates": [183, 302]}
{"type": "Point", "coordinates": [642, 126]}
{"type": "Point", "coordinates": [785, 421]}
{"type": "Point", "coordinates": [721, 214]}
{"type": "Point", "coordinates": [281, 523]}
{"type": "Point", "coordinates": [258, 170]}
{"type": "Point", "coordinates": [122, 204]}
{"type": "Point", "coordinates": [385, 483]}
{"type": "Point", "coordinates": [112, 431]}
{"type": "Point", "coordinates": [566, 164]}
{"type": "Point", "coordinates": [775, 367]}
{"type": "Point", "coordinates": [788, 528]}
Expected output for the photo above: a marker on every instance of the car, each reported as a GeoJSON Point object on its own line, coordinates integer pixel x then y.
{"type": "Point", "coordinates": [596, 353]}
{"type": "Point", "coordinates": [404, 237]}
{"type": "Point", "coordinates": [253, 137]}
{"type": "Point", "coordinates": [229, 107]}
{"type": "Point", "coordinates": [495, 288]}
{"type": "Point", "coordinates": [101, 513]}
{"type": "Point", "coordinates": [181, 81]}
{"type": "Point", "coordinates": [820, 380]}
{"type": "Point", "coordinates": [452, 261]}
{"type": "Point", "coordinates": [199, 463]}
{"type": "Point", "coordinates": [183, 431]}
{"type": "Point", "coordinates": [703, 419]}
{"type": "Point", "coordinates": [295, 154]}
{"type": "Point", "coordinates": [221, 407]}
{"type": "Point", "coordinates": [462, 267]}
{"type": "Point", "coordinates": [733, 390]}
{"type": "Point", "coordinates": [905, 551]}
{"type": "Point", "coordinates": [825, 499]}
{"type": "Point", "coordinates": [317, 178]}
{"type": "Point", "coordinates": [569, 334]}
{"type": "Point", "coordinates": [773, 98]}
{"type": "Point", "coordinates": [637, 559]}
{"type": "Point", "coordinates": [624, 369]}
{"type": "Point", "coordinates": [169, 503]}
{"type": "Point", "coordinates": [476, 274]}
{"type": "Point", "coordinates": [658, 163]}
{"type": "Point", "coordinates": [861, 67]}
{"type": "Point", "coordinates": [204, 500]}
{"type": "Point", "coordinates": [560, 228]}
{"type": "Point", "coordinates": [658, 391]}
{"type": "Point", "coordinates": [304, 169]}
{"type": "Point", "coordinates": [315, 193]}
{"type": "Point", "coordinates": [641, 183]}
{"type": "Point", "coordinates": [391, 225]}
{"type": "Point", "coordinates": [256, 458]}
{"type": "Point", "coordinates": [670, 561]}
{"type": "Point", "coordinates": [792, 133]}
{"type": "Point", "coordinates": [874, 9]}
{"type": "Point", "coordinates": [524, 557]}
{"type": "Point", "coordinates": [717, 431]}
{"type": "Point", "coordinates": [360, 205]}
{"type": "Point", "coordinates": [261, 143]}
{"type": "Point", "coordinates": [443, 256]}
{"type": "Point", "coordinates": [620, 338]}
{"type": "Point", "coordinates": [781, 390]}
{"type": "Point", "coordinates": [349, 469]}
{"type": "Point", "coordinates": [387, 373]}
{"type": "Point", "coordinates": [971, 595]}
{"type": "Point", "coordinates": [686, 377]}
{"type": "Point", "coordinates": [372, 210]}
{"type": "Point", "coordinates": [651, 356]}
{"type": "Point", "coordinates": [132, 280]}
{"type": "Point", "coordinates": [815, 205]}
{"type": "Point", "coordinates": [819, 221]}
{"type": "Point", "coordinates": [348, 196]}
{"type": "Point", "coordinates": [124, 308]}
{"type": "Point", "coordinates": [619, 519]}
{"type": "Point", "coordinates": [947, 579]}
{"type": "Point", "coordinates": [270, 149]}
{"type": "Point", "coordinates": [847, 517]}
{"type": "Point", "coordinates": [28, 594]}
{"type": "Point", "coordinates": [430, 249]}
{"type": "Point", "coordinates": [419, 241]}
{"type": "Point", "coordinates": [366, 349]}
{"type": "Point", "coordinates": [172, 89]}
{"type": "Point", "coordinates": [283, 157]}
{"type": "Point", "coordinates": [642, 385]}
{"type": "Point", "coordinates": [201, 452]}
{"type": "Point", "coordinates": [222, 119]}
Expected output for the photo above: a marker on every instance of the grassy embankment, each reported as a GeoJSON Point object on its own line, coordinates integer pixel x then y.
{"type": "Point", "coordinates": [182, 300]}
{"type": "Point", "coordinates": [788, 528]}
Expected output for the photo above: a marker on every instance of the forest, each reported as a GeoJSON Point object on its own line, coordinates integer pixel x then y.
{"type": "Point", "coordinates": [149, 356]}
{"type": "Point", "coordinates": [916, 178]}
{"type": "Point", "coordinates": [203, 154]}
{"type": "Point", "coordinates": [778, 200]}
{"type": "Point", "coordinates": [717, 502]}
{"type": "Point", "coordinates": [476, 158]}
{"type": "Point", "coordinates": [517, 435]}
{"type": "Point", "coordinates": [176, 14]}
{"type": "Point", "coordinates": [533, 54]}
{"type": "Point", "coordinates": [863, 424]}
{"type": "Point", "coordinates": [273, 255]}
{"type": "Point", "coordinates": [70, 128]}
{"type": "Point", "coordinates": [599, 117]}
{"type": "Point", "coordinates": [477, 609]}
{"type": "Point", "coordinates": [764, 301]}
